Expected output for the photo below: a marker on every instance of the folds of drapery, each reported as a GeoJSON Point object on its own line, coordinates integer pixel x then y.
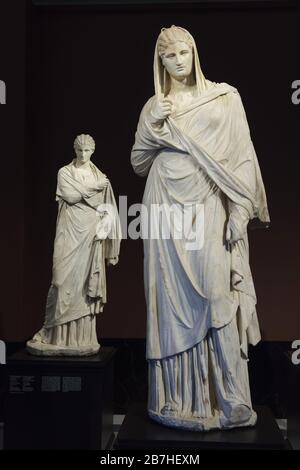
{"type": "Point", "coordinates": [73, 191]}
{"type": "Point", "coordinates": [107, 244]}
{"type": "Point", "coordinates": [78, 283]}
{"type": "Point", "coordinates": [241, 183]}
{"type": "Point", "coordinates": [236, 172]}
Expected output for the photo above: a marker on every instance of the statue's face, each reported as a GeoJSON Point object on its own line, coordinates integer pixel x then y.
{"type": "Point", "coordinates": [178, 60]}
{"type": "Point", "coordinates": [83, 154]}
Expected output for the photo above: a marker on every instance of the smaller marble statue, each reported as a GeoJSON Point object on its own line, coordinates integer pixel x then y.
{"type": "Point", "coordinates": [88, 233]}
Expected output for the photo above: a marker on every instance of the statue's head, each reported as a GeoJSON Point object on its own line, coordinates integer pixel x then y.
{"type": "Point", "coordinates": [84, 146]}
{"type": "Point", "coordinates": [176, 56]}
{"type": "Point", "coordinates": [175, 48]}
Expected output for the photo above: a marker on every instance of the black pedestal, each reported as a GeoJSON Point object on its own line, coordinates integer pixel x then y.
{"type": "Point", "coordinates": [288, 382]}
{"type": "Point", "coordinates": [59, 403]}
{"type": "Point", "coordinates": [139, 432]}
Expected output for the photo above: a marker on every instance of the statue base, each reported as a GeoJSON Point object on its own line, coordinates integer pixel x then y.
{"type": "Point", "coordinates": [138, 431]}
{"type": "Point", "coordinates": [37, 348]}
{"type": "Point", "coordinates": [205, 424]}
{"type": "Point", "coordinates": [59, 402]}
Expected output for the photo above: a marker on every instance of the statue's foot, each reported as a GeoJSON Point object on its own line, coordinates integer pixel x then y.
{"type": "Point", "coordinates": [169, 410]}
{"type": "Point", "coordinates": [171, 417]}
{"type": "Point", "coordinates": [240, 414]}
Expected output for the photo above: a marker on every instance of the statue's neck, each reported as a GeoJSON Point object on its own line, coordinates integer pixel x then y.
{"type": "Point", "coordinates": [182, 86]}
{"type": "Point", "coordinates": [82, 166]}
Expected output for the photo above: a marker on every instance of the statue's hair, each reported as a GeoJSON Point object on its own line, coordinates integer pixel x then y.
{"type": "Point", "coordinates": [170, 36]}
{"type": "Point", "coordinates": [84, 140]}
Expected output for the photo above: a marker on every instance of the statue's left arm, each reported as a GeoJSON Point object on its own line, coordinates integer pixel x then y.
{"type": "Point", "coordinates": [245, 167]}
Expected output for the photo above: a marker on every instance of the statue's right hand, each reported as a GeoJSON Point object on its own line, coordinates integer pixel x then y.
{"type": "Point", "coordinates": [160, 110]}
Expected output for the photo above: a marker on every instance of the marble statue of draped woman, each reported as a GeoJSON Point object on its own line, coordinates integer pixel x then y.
{"type": "Point", "coordinates": [88, 235]}
{"type": "Point", "coordinates": [193, 144]}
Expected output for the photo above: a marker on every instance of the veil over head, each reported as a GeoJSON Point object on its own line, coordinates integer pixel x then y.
{"type": "Point", "coordinates": [161, 76]}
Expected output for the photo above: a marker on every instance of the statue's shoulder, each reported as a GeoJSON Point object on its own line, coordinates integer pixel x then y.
{"type": "Point", "coordinates": [95, 169]}
{"type": "Point", "coordinates": [226, 87]}
{"type": "Point", "coordinates": [232, 93]}
{"type": "Point", "coordinates": [65, 170]}
{"type": "Point", "coordinates": [147, 106]}
{"type": "Point", "coordinates": [150, 100]}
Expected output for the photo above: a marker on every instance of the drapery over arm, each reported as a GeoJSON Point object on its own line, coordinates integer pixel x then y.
{"type": "Point", "coordinates": [235, 171]}
{"type": "Point", "coordinates": [240, 179]}
{"type": "Point", "coordinates": [245, 165]}
{"type": "Point", "coordinates": [71, 190]}
{"type": "Point", "coordinates": [107, 244]}
{"type": "Point", "coordinates": [149, 139]}
{"type": "Point", "coordinates": [113, 241]}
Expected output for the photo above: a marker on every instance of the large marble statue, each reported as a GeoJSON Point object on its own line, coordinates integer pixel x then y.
{"type": "Point", "coordinates": [88, 232]}
{"type": "Point", "coordinates": [194, 144]}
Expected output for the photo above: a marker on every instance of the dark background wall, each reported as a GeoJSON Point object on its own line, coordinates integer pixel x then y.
{"type": "Point", "coordinates": [12, 138]}
{"type": "Point", "coordinates": [90, 70]}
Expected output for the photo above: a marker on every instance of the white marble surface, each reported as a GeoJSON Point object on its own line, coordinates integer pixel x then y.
{"type": "Point", "coordinates": [193, 144]}
{"type": "Point", "coordinates": [88, 235]}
